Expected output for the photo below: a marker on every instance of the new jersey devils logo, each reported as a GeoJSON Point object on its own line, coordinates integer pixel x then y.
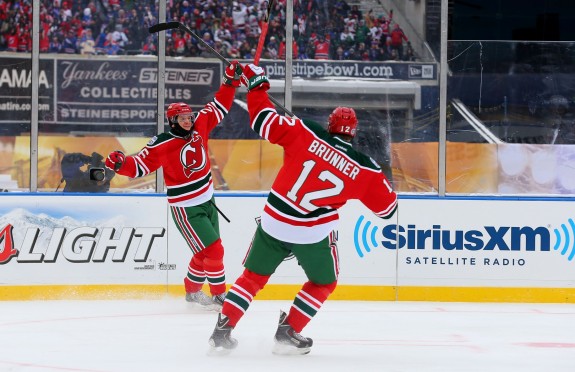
{"type": "Point", "coordinates": [193, 156]}
{"type": "Point", "coordinates": [7, 250]}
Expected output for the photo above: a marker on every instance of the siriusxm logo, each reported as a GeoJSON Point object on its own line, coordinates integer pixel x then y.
{"type": "Point", "coordinates": [487, 238]}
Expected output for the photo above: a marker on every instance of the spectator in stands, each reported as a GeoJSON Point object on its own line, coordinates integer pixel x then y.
{"type": "Point", "coordinates": [346, 37]}
{"type": "Point", "coordinates": [339, 54]}
{"type": "Point", "coordinates": [239, 15]}
{"type": "Point", "coordinates": [87, 43]}
{"type": "Point", "coordinates": [102, 40]}
{"type": "Point", "coordinates": [149, 46]}
{"type": "Point", "coordinates": [409, 54]}
{"type": "Point", "coordinates": [12, 39]}
{"type": "Point", "coordinates": [282, 49]}
{"type": "Point", "coordinates": [55, 45]}
{"type": "Point", "coordinates": [205, 52]}
{"type": "Point", "coordinates": [375, 52]}
{"type": "Point", "coordinates": [119, 38]}
{"type": "Point", "coordinates": [179, 43]}
{"type": "Point", "coordinates": [321, 48]}
{"type": "Point", "coordinates": [397, 39]}
{"type": "Point", "coordinates": [44, 41]}
{"type": "Point", "coordinates": [24, 40]}
{"type": "Point", "coordinates": [223, 22]}
{"type": "Point", "coordinates": [272, 48]}
{"type": "Point", "coordinates": [69, 45]}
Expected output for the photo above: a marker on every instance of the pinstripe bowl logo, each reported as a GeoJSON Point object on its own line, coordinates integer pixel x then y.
{"type": "Point", "coordinates": [368, 237]}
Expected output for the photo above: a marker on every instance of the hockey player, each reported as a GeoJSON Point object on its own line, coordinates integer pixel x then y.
{"type": "Point", "coordinates": [321, 172]}
{"type": "Point", "coordinates": [182, 152]}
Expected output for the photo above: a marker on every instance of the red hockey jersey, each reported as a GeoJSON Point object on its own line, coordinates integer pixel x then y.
{"type": "Point", "coordinates": [185, 161]}
{"type": "Point", "coordinates": [319, 175]}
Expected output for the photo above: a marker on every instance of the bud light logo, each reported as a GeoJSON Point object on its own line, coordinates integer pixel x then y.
{"type": "Point", "coordinates": [7, 250]}
{"type": "Point", "coordinates": [488, 238]}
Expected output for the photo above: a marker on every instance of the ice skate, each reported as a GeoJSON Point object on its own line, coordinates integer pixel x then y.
{"type": "Point", "coordinates": [221, 342]}
{"type": "Point", "coordinates": [218, 301]}
{"type": "Point", "coordinates": [199, 300]}
{"type": "Point", "coordinates": [288, 341]}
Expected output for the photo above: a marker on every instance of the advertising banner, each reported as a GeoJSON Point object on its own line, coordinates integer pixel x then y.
{"type": "Point", "coordinates": [132, 239]}
{"type": "Point", "coordinates": [352, 69]}
{"type": "Point", "coordinates": [101, 90]}
{"type": "Point", "coordinates": [105, 91]}
{"type": "Point", "coordinates": [80, 91]}
{"type": "Point", "coordinates": [471, 243]}
{"type": "Point", "coordinates": [16, 90]}
{"type": "Point", "coordinates": [69, 240]}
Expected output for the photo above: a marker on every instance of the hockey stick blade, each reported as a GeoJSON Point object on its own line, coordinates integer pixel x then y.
{"type": "Point", "coordinates": [163, 26]}
{"type": "Point", "coordinates": [263, 33]}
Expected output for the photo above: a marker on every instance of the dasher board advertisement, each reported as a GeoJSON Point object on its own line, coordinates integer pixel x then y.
{"type": "Point", "coordinates": [429, 242]}
{"type": "Point", "coordinates": [83, 240]}
{"type": "Point", "coordinates": [470, 243]}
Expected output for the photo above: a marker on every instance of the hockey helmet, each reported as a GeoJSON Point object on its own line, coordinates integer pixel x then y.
{"type": "Point", "coordinates": [342, 121]}
{"type": "Point", "coordinates": [176, 109]}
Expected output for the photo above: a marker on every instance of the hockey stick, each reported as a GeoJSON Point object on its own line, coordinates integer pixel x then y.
{"type": "Point", "coordinates": [177, 25]}
{"type": "Point", "coordinates": [265, 25]}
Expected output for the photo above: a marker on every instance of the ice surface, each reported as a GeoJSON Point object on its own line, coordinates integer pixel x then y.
{"type": "Point", "coordinates": [166, 335]}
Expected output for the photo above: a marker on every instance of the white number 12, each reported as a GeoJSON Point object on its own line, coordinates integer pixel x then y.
{"type": "Point", "coordinates": [307, 198]}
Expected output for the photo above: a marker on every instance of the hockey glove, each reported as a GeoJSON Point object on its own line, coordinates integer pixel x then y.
{"type": "Point", "coordinates": [255, 78]}
{"type": "Point", "coordinates": [233, 73]}
{"type": "Point", "coordinates": [115, 160]}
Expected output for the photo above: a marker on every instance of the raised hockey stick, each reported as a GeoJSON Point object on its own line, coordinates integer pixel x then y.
{"type": "Point", "coordinates": [266, 22]}
{"type": "Point", "coordinates": [177, 25]}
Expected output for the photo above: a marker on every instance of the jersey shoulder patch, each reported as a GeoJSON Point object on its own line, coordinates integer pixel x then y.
{"type": "Point", "coordinates": [152, 140]}
{"type": "Point", "coordinates": [159, 139]}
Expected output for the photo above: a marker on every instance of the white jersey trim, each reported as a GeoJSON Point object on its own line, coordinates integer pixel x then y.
{"type": "Point", "coordinates": [296, 234]}
{"type": "Point", "coordinates": [194, 201]}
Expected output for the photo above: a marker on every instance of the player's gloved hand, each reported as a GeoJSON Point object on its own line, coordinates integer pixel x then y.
{"type": "Point", "coordinates": [115, 160]}
{"type": "Point", "coordinates": [254, 77]}
{"type": "Point", "coordinates": [233, 73]}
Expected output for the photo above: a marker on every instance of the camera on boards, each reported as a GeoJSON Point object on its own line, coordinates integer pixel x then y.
{"type": "Point", "coordinates": [96, 171]}
{"type": "Point", "coordinates": [85, 173]}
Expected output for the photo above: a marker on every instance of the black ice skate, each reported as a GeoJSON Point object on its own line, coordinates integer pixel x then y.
{"type": "Point", "coordinates": [221, 342]}
{"type": "Point", "coordinates": [288, 341]}
{"type": "Point", "coordinates": [218, 301]}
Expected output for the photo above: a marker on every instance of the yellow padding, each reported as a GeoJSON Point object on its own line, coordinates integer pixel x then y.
{"type": "Point", "coordinates": [287, 292]}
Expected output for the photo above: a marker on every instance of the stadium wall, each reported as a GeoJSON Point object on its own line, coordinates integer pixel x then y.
{"type": "Point", "coordinates": [434, 249]}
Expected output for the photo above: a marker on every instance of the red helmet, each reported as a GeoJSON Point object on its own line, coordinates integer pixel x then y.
{"type": "Point", "coordinates": [176, 109]}
{"type": "Point", "coordinates": [342, 121]}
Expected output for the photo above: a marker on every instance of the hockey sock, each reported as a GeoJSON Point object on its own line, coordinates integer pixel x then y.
{"type": "Point", "coordinates": [214, 267]}
{"type": "Point", "coordinates": [195, 279]}
{"type": "Point", "coordinates": [307, 303]}
{"type": "Point", "coordinates": [242, 294]}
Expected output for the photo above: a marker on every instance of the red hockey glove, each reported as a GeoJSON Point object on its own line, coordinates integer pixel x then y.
{"type": "Point", "coordinates": [255, 78]}
{"type": "Point", "coordinates": [233, 73]}
{"type": "Point", "coordinates": [115, 160]}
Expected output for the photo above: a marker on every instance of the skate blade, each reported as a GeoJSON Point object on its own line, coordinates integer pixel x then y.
{"type": "Point", "coordinates": [282, 349]}
{"type": "Point", "coordinates": [199, 307]}
{"type": "Point", "coordinates": [218, 351]}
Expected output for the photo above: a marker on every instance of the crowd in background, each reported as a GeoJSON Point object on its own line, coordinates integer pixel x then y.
{"type": "Point", "coordinates": [322, 30]}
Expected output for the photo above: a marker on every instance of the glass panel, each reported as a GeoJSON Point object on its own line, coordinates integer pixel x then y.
{"type": "Point", "coordinates": [15, 96]}
{"type": "Point", "coordinates": [100, 92]}
{"type": "Point", "coordinates": [511, 117]}
{"type": "Point", "coordinates": [379, 62]}
{"type": "Point", "coordinates": [239, 159]}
